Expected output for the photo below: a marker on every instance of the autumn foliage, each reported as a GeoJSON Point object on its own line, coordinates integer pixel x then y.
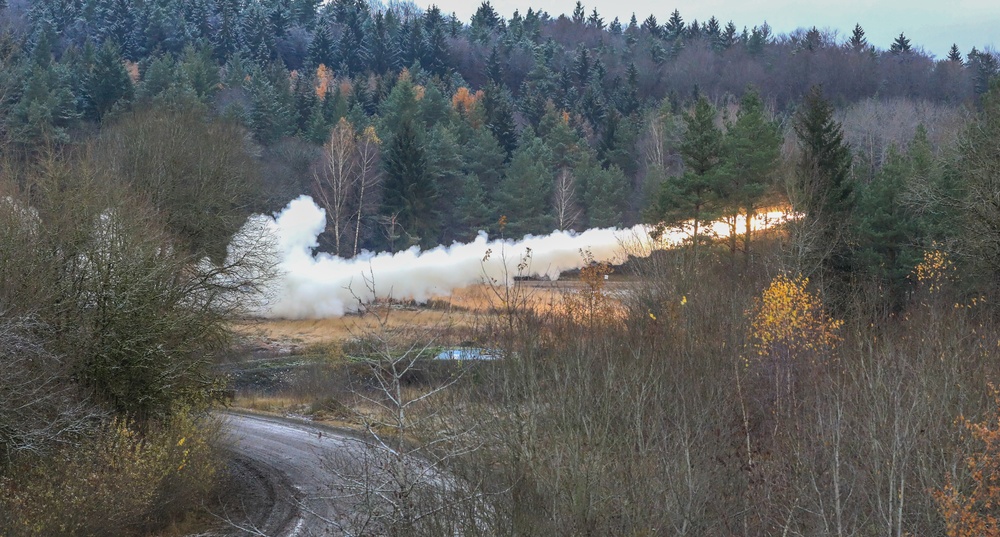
{"type": "Point", "coordinates": [790, 324]}
{"type": "Point", "coordinates": [974, 510]}
{"type": "Point", "coordinates": [464, 101]}
{"type": "Point", "coordinates": [324, 78]}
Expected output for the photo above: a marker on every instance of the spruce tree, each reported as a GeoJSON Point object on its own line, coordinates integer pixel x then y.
{"type": "Point", "coordinates": [500, 117]}
{"type": "Point", "coordinates": [886, 231]}
{"type": "Point", "coordinates": [823, 189]}
{"type": "Point", "coordinates": [858, 41]}
{"type": "Point", "coordinates": [410, 194]}
{"type": "Point", "coordinates": [524, 195]}
{"type": "Point", "coordinates": [675, 25]}
{"type": "Point", "coordinates": [900, 45]}
{"type": "Point", "coordinates": [108, 83]}
{"type": "Point", "coordinates": [954, 55]}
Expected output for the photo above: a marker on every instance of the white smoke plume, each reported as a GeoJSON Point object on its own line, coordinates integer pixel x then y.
{"type": "Point", "coordinates": [320, 285]}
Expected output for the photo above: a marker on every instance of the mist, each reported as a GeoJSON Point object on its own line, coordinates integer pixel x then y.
{"type": "Point", "coordinates": [312, 285]}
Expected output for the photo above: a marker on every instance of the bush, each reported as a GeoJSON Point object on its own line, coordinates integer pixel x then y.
{"type": "Point", "coordinates": [119, 483]}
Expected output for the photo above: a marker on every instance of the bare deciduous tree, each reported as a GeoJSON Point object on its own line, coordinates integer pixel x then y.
{"type": "Point", "coordinates": [336, 179]}
{"type": "Point", "coordinates": [369, 177]}
{"type": "Point", "coordinates": [567, 211]}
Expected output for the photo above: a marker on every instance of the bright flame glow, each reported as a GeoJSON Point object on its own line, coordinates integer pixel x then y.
{"type": "Point", "coordinates": [318, 286]}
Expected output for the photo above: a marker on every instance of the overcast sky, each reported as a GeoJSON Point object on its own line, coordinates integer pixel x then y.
{"type": "Point", "coordinates": [932, 25]}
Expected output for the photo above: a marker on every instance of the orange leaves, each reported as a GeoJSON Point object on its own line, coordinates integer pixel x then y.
{"type": "Point", "coordinates": [975, 513]}
{"type": "Point", "coordinates": [324, 77]}
{"type": "Point", "coordinates": [464, 101]}
{"type": "Point", "coordinates": [789, 320]}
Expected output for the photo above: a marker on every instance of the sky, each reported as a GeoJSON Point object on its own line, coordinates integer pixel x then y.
{"type": "Point", "coordinates": [933, 25]}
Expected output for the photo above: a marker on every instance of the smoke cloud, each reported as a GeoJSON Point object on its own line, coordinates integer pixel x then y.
{"type": "Point", "coordinates": [311, 285]}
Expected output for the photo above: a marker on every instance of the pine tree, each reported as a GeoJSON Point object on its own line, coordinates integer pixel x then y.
{"type": "Point", "coordinates": [984, 66]}
{"type": "Point", "coordinates": [272, 113]}
{"type": "Point", "coordinates": [651, 26]}
{"type": "Point", "coordinates": [46, 107]}
{"type": "Point", "coordinates": [712, 29]}
{"type": "Point", "coordinates": [595, 20]}
{"type": "Point", "coordinates": [472, 213]}
{"type": "Point", "coordinates": [728, 37]}
{"type": "Point", "coordinates": [483, 157]}
{"type": "Point", "coordinates": [257, 37]}
{"type": "Point", "coordinates": [436, 54]}
{"type": "Point", "coordinates": [494, 68]}
{"type": "Point", "coordinates": [751, 154]}
{"type": "Point", "coordinates": [980, 180]}
{"type": "Point", "coordinates": [615, 27]}
{"type": "Point", "coordinates": [604, 195]}
{"type": "Point", "coordinates": [226, 38]}
{"type": "Point", "coordinates": [199, 71]}
{"type": "Point", "coordinates": [483, 23]}
{"type": "Point", "coordinates": [886, 230]}
{"type": "Point", "coordinates": [686, 197]}
{"type": "Point", "coordinates": [320, 51]}
{"type": "Point", "coordinates": [383, 54]}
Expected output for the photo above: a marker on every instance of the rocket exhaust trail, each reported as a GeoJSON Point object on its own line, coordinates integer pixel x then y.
{"type": "Point", "coordinates": [317, 286]}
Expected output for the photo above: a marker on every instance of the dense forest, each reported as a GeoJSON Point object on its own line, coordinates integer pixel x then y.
{"type": "Point", "coordinates": [137, 136]}
{"type": "Point", "coordinates": [560, 122]}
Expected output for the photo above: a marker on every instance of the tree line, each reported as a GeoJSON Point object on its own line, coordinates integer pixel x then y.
{"type": "Point", "coordinates": [550, 121]}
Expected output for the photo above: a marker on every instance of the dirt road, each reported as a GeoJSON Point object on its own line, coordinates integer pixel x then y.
{"type": "Point", "coordinates": [289, 464]}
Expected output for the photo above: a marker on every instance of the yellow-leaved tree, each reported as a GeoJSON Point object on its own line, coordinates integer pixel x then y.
{"type": "Point", "coordinates": [790, 331]}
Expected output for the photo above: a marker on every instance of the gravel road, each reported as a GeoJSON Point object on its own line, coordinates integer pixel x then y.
{"type": "Point", "coordinates": [287, 473]}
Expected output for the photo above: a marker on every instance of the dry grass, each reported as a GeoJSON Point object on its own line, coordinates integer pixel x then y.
{"type": "Point", "coordinates": [460, 312]}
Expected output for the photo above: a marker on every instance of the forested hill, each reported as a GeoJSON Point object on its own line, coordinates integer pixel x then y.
{"type": "Point", "coordinates": [554, 121]}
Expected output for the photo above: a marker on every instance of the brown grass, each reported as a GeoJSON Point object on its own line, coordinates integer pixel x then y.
{"type": "Point", "coordinates": [460, 312]}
